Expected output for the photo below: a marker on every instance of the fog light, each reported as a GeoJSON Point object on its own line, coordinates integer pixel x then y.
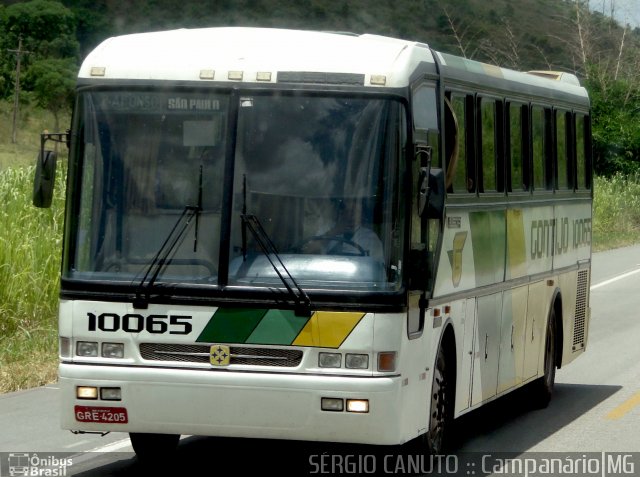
{"type": "Point", "coordinates": [110, 394]}
{"type": "Point", "coordinates": [387, 361]}
{"type": "Point", "coordinates": [86, 392]}
{"type": "Point", "coordinates": [87, 348]}
{"type": "Point", "coordinates": [332, 404]}
{"type": "Point", "coordinates": [356, 361]}
{"type": "Point", "coordinates": [65, 347]}
{"type": "Point", "coordinates": [329, 360]}
{"type": "Point", "coordinates": [112, 350]}
{"type": "Point", "coordinates": [358, 405]}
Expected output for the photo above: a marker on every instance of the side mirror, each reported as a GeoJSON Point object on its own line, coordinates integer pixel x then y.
{"type": "Point", "coordinates": [435, 206]}
{"type": "Point", "coordinates": [418, 270]}
{"type": "Point", "coordinates": [44, 179]}
{"type": "Point", "coordinates": [431, 192]}
{"type": "Point", "coordinates": [423, 189]}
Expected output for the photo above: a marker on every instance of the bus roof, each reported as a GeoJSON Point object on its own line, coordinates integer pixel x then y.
{"type": "Point", "coordinates": [269, 55]}
{"type": "Point", "coordinates": [239, 54]}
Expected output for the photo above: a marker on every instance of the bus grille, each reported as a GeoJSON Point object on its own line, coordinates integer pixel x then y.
{"type": "Point", "coordinates": [248, 356]}
{"type": "Point", "coordinates": [581, 310]}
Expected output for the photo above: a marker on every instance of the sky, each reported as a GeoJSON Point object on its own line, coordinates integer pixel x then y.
{"type": "Point", "coordinates": [625, 11]}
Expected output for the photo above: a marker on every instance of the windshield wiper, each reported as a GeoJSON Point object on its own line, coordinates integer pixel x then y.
{"type": "Point", "coordinates": [268, 248]}
{"type": "Point", "coordinates": [141, 300]}
{"type": "Point", "coordinates": [161, 258]}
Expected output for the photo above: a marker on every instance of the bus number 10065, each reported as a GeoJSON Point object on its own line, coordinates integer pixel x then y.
{"type": "Point", "coordinates": [135, 323]}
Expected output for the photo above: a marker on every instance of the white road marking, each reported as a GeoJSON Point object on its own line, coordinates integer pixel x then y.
{"type": "Point", "coordinates": [113, 447]}
{"type": "Point", "coordinates": [615, 279]}
{"type": "Point", "coordinates": [77, 443]}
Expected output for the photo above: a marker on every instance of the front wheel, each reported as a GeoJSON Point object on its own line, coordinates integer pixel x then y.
{"type": "Point", "coordinates": [441, 410]}
{"type": "Point", "coordinates": [153, 446]}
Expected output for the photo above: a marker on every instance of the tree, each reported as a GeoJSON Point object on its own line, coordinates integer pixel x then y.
{"type": "Point", "coordinates": [52, 82]}
{"type": "Point", "coordinates": [47, 29]}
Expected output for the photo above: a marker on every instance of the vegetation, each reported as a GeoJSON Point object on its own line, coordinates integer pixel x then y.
{"type": "Point", "coordinates": [53, 36]}
{"type": "Point", "coordinates": [616, 211]}
{"type": "Point", "coordinates": [520, 34]}
{"type": "Point", "coordinates": [30, 242]}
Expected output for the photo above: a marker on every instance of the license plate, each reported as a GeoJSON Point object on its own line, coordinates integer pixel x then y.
{"type": "Point", "coordinates": [110, 415]}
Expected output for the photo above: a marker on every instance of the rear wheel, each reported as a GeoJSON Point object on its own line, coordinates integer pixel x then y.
{"type": "Point", "coordinates": [153, 446]}
{"type": "Point", "coordinates": [441, 409]}
{"type": "Point", "coordinates": [543, 387]}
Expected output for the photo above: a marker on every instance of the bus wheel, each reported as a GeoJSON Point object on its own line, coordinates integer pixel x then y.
{"type": "Point", "coordinates": [153, 446]}
{"type": "Point", "coordinates": [441, 416]}
{"type": "Point", "coordinates": [543, 387]}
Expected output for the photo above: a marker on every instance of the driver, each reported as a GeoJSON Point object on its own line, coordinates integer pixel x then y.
{"type": "Point", "coordinates": [350, 235]}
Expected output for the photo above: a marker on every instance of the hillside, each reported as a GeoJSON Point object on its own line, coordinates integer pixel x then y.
{"type": "Point", "coordinates": [521, 34]}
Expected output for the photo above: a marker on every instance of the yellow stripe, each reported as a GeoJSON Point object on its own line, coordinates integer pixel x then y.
{"type": "Point", "coordinates": [327, 329]}
{"type": "Point", "coordinates": [625, 407]}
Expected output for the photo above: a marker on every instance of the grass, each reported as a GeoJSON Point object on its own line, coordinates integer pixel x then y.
{"type": "Point", "coordinates": [616, 212]}
{"type": "Point", "coordinates": [32, 121]}
{"type": "Point", "coordinates": [30, 250]}
{"type": "Point", "coordinates": [30, 243]}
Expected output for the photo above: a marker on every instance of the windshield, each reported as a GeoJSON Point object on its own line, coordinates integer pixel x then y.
{"type": "Point", "coordinates": [320, 174]}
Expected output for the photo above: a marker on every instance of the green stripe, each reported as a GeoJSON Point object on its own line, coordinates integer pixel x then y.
{"type": "Point", "coordinates": [231, 325]}
{"type": "Point", "coordinates": [488, 237]}
{"type": "Point", "coordinates": [278, 327]}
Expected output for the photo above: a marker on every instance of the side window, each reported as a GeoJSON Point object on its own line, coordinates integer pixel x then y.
{"type": "Point", "coordinates": [563, 161]}
{"type": "Point", "coordinates": [487, 135]}
{"type": "Point", "coordinates": [424, 108]}
{"type": "Point", "coordinates": [516, 125]}
{"type": "Point", "coordinates": [425, 119]}
{"type": "Point", "coordinates": [540, 146]}
{"type": "Point", "coordinates": [459, 178]}
{"type": "Point", "coordinates": [581, 156]}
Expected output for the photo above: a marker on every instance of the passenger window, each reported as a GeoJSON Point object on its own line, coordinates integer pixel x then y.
{"type": "Point", "coordinates": [562, 151]}
{"type": "Point", "coordinates": [459, 178]}
{"type": "Point", "coordinates": [581, 159]}
{"type": "Point", "coordinates": [515, 148]}
{"type": "Point", "coordinates": [488, 145]}
{"type": "Point", "coordinates": [539, 148]}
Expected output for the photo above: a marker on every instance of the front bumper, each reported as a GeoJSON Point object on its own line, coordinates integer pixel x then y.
{"type": "Point", "coordinates": [236, 404]}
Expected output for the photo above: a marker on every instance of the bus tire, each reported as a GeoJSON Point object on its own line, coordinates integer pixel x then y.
{"type": "Point", "coordinates": [440, 419]}
{"type": "Point", "coordinates": [153, 446]}
{"type": "Point", "coordinates": [543, 386]}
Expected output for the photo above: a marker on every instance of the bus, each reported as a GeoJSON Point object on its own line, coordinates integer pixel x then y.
{"type": "Point", "coordinates": [315, 236]}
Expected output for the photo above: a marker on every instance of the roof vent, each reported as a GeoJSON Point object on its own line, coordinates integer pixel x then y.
{"type": "Point", "coordinates": [557, 76]}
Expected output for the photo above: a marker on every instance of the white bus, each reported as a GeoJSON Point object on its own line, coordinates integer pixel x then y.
{"type": "Point", "coordinates": [315, 236]}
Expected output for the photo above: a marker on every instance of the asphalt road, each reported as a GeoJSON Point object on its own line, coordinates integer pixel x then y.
{"type": "Point", "coordinates": [595, 408]}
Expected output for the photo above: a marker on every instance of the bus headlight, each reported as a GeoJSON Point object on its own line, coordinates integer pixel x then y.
{"type": "Point", "coordinates": [88, 349]}
{"type": "Point", "coordinates": [113, 350]}
{"type": "Point", "coordinates": [356, 361]}
{"type": "Point", "coordinates": [86, 392]}
{"type": "Point", "coordinates": [332, 404]}
{"type": "Point", "coordinates": [358, 405]}
{"type": "Point", "coordinates": [111, 394]}
{"type": "Point", "coordinates": [329, 360]}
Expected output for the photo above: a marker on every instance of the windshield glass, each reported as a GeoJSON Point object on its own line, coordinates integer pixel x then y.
{"type": "Point", "coordinates": [320, 174]}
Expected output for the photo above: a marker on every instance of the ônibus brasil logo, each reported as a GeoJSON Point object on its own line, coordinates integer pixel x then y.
{"type": "Point", "coordinates": [32, 464]}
